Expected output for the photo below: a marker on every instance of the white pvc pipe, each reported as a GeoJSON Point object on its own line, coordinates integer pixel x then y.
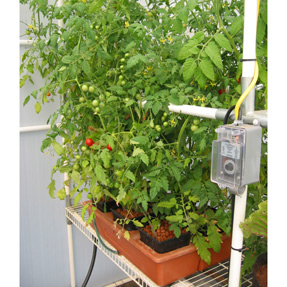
{"type": "Point", "coordinates": [67, 189]}
{"type": "Point", "coordinates": [26, 42]}
{"type": "Point", "coordinates": [204, 112]}
{"type": "Point", "coordinates": [249, 37]}
{"type": "Point", "coordinates": [34, 128]}
{"type": "Point", "coordinates": [71, 255]}
{"type": "Point", "coordinates": [237, 240]}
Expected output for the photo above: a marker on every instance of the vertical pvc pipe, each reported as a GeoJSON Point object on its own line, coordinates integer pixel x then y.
{"type": "Point", "coordinates": [237, 240]}
{"type": "Point", "coordinates": [248, 105]}
{"type": "Point", "coordinates": [249, 53]}
{"type": "Point", "coordinates": [68, 203]}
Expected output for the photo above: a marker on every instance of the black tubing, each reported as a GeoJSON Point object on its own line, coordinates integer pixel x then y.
{"type": "Point", "coordinates": [228, 114]}
{"type": "Point", "coordinates": [91, 266]}
{"type": "Point", "coordinates": [95, 254]}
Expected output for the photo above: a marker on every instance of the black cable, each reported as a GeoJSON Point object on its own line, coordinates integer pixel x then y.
{"type": "Point", "coordinates": [228, 114]}
{"type": "Point", "coordinates": [95, 254]}
{"type": "Point", "coordinates": [91, 265]}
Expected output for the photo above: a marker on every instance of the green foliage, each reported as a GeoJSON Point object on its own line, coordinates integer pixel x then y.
{"type": "Point", "coordinates": [256, 223]}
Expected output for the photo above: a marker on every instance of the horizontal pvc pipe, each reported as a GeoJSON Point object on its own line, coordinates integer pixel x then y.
{"type": "Point", "coordinates": [26, 42]}
{"type": "Point", "coordinates": [209, 113]}
{"type": "Point", "coordinates": [34, 128]}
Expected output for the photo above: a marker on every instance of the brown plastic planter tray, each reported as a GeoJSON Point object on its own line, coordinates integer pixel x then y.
{"type": "Point", "coordinates": [167, 245]}
{"type": "Point", "coordinates": [163, 268]}
{"type": "Point", "coordinates": [220, 256]}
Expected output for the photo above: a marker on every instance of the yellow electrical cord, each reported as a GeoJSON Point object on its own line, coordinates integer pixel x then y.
{"type": "Point", "coordinates": [253, 82]}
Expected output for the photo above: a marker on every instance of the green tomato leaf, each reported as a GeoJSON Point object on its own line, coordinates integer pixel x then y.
{"type": "Point", "coordinates": [213, 53]}
{"type": "Point", "coordinates": [52, 188]}
{"type": "Point", "coordinates": [223, 42]}
{"type": "Point", "coordinates": [59, 149]}
{"type": "Point", "coordinates": [202, 247]}
{"type": "Point", "coordinates": [237, 25]}
{"type": "Point", "coordinates": [100, 174]}
{"type": "Point", "coordinates": [76, 177]}
{"type": "Point", "coordinates": [186, 50]}
{"type": "Point", "coordinates": [38, 107]}
{"type": "Point", "coordinates": [128, 174]}
{"type": "Point", "coordinates": [139, 140]}
{"type": "Point", "coordinates": [144, 158]}
{"type": "Point", "coordinates": [207, 69]}
{"type": "Point", "coordinates": [189, 67]}
{"type": "Point", "coordinates": [77, 198]}
{"type": "Point", "coordinates": [214, 238]}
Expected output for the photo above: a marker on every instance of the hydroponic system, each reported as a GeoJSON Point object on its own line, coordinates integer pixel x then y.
{"type": "Point", "coordinates": [127, 99]}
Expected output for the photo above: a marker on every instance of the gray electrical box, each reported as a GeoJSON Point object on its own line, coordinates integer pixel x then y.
{"type": "Point", "coordinates": [236, 156]}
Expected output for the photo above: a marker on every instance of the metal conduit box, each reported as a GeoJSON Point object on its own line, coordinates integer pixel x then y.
{"type": "Point", "coordinates": [236, 156]}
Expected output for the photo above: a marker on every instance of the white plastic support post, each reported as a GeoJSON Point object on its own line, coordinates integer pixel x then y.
{"type": "Point", "coordinates": [237, 240]}
{"type": "Point", "coordinates": [249, 37]}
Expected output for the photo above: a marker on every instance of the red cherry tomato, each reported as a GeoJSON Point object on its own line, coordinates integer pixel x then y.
{"type": "Point", "coordinates": [89, 142]}
{"type": "Point", "coordinates": [221, 91]}
{"type": "Point", "coordinates": [109, 147]}
{"type": "Point", "coordinates": [239, 80]}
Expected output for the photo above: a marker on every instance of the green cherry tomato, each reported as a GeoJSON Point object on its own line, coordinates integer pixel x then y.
{"type": "Point", "coordinates": [91, 89]}
{"type": "Point", "coordinates": [77, 157]}
{"type": "Point", "coordinates": [196, 122]}
{"type": "Point", "coordinates": [81, 99]}
{"type": "Point", "coordinates": [101, 97]}
{"type": "Point", "coordinates": [122, 60]}
{"type": "Point", "coordinates": [151, 124]}
{"type": "Point", "coordinates": [127, 55]}
{"type": "Point", "coordinates": [165, 124]}
{"type": "Point", "coordinates": [127, 99]}
{"type": "Point", "coordinates": [85, 88]}
{"type": "Point", "coordinates": [165, 114]}
{"type": "Point", "coordinates": [95, 103]}
{"type": "Point", "coordinates": [97, 27]}
{"type": "Point", "coordinates": [97, 109]}
{"type": "Point", "coordinates": [102, 104]}
{"type": "Point", "coordinates": [121, 77]}
{"type": "Point", "coordinates": [84, 148]}
{"type": "Point", "coordinates": [194, 128]}
{"type": "Point", "coordinates": [76, 166]}
{"type": "Point", "coordinates": [158, 128]}
{"type": "Point", "coordinates": [117, 185]}
{"type": "Point", "coordinates": [162, 118]}
{"type": "Point", "coordinates": [119, 173]}
{"type": "Point", "coordinates": [122, 66]}
{"type": "Point", "coordinates": [138, 96]}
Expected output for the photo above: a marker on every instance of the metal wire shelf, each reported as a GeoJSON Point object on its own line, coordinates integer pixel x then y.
{"type": "Point", "coordinates": [216, 276]}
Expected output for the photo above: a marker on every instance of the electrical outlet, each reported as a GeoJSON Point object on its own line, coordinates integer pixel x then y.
{"type": "Point", "coordinates": [236, 156]}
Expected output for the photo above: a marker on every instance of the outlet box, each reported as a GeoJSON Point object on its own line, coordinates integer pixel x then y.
{"type": "Point", "coordinates": [236, 156]}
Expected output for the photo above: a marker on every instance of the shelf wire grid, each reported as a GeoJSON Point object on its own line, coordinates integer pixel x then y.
{"type": "Point", "coordinates": [216, 276]}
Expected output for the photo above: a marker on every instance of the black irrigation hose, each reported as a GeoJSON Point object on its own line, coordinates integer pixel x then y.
{"type": "Point", "coordinates": [228, 114]}
{"type": "Point", "coordinates": [95, 255]}
{"type": "Point", "coordinates": [91, 266]}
